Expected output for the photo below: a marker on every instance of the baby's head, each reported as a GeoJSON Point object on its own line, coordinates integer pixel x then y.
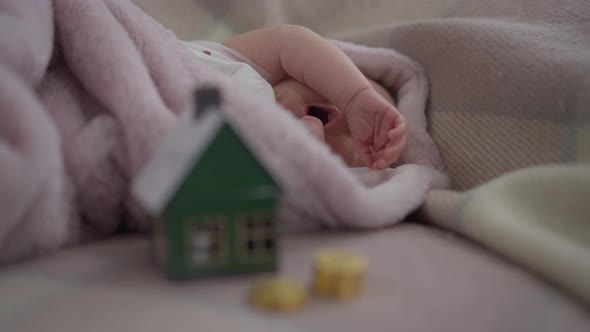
{"type": "Point", "coordinates": [324, 120]}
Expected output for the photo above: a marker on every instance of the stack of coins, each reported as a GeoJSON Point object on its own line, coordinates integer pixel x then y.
{"type": "Point", "coordinates": [339, 274]}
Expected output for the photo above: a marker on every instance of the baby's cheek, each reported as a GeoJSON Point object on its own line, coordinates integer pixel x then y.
{"type": "Point", "coordinates": [315, 127]}
{"type": "Point", "coordinates": [290, 107]}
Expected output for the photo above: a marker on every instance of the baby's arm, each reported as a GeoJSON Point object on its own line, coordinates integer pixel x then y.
{"type": "Point", "coordinates": [297, 52]}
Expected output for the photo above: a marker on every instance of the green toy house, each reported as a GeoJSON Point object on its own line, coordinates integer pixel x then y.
{"type": "Point", "coordinates": [212, 201]}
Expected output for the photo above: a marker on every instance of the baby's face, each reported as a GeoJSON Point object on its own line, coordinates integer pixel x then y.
{"type": "Point", "coordinates": [324, 120]}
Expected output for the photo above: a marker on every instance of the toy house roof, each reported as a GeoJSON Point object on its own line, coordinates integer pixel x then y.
{"type": "Point", "coordinates": [176, 158]}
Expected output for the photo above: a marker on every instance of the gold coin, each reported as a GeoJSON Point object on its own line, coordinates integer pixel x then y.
{"type": "Point", "coordinates": [278, 293]}
{"type": "Point", "coordinates": [339, 261]}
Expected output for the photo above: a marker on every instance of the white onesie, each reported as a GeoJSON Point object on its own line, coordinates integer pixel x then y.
{"type": "Point", "coordinates": [234, 64]}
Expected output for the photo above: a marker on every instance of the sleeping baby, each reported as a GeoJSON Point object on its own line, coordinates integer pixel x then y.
{"type": "Point", "coordinates": [315, 81]}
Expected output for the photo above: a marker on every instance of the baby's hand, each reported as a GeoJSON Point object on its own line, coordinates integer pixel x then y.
{"type": "Point", "coordinates": [378, 129]}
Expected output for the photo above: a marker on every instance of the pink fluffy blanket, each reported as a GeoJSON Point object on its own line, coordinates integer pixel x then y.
{"type": "Point", "coordinates": [89, 88]}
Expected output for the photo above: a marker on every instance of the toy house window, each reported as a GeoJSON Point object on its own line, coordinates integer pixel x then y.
{"type": "Point", "coordinates": [205, 240]}
{"type": "Point", "coordinates": [257, 236]}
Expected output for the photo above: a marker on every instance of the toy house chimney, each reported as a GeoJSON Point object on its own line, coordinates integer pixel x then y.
{"type": "Point", "coordinates": [205, 100]}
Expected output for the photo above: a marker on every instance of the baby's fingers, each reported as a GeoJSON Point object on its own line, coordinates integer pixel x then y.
{"type": "Point", "coordinates": [394, 149]}
{"type": "Point", "coordinates": [396, 133]}
{"type": "Point", "coordinates": [388, 122]}
{"type": "Point", "coordinates": [390, 153]}
{"type": "Point", "coordinates": [379, 165]}
{"type": "Point", "coordinates": [365, 153]}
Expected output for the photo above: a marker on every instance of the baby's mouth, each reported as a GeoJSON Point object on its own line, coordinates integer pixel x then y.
{"type": "Point", "coordinates": [324, 113]}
